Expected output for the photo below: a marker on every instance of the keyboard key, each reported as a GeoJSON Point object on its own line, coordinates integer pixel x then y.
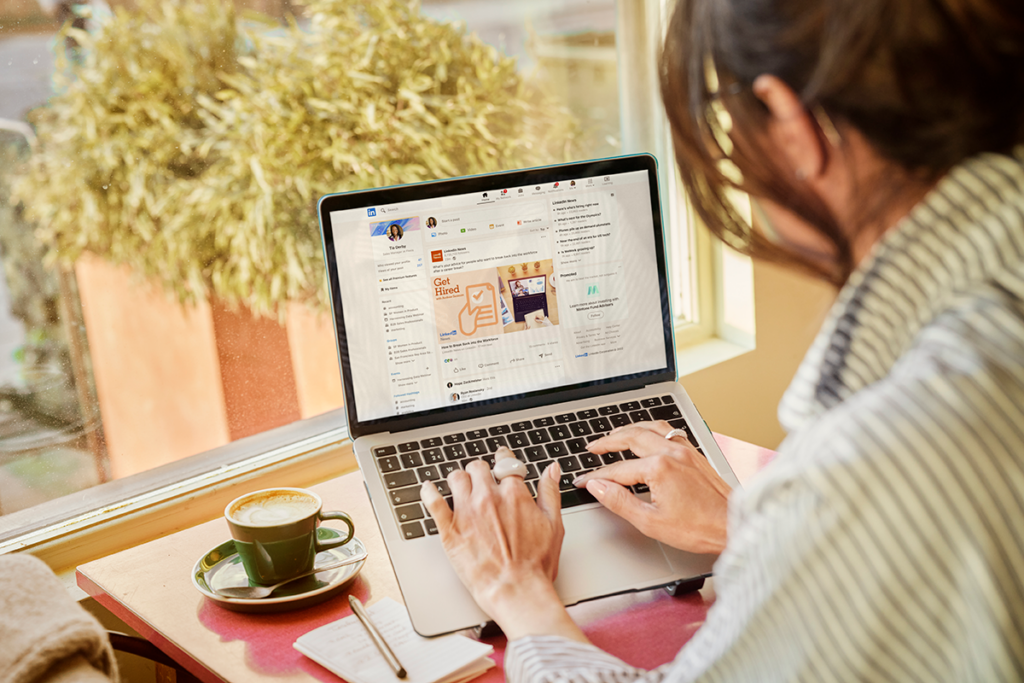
{"type": "Point", "coordinates": [650, 402]}
{"type": "Point", "coordinates": [521, 426]}
{"type": "Point", "coordinates": [607, 410]}
{"type": "Point", "coordinates": [410, 460]}
{"type": "Point", "coordinates": [412, 530]}
{"type": "Point", "coordinates": [489, 459]}
{"type": "Point", "coordinates": [620, 420]}
{"type": "Point", "coordinates": [518, 440]}
{"type": "Point", "coordinates": [454, 438]}
{"type": "Point", "coordinates": [399, 479]}
{"type": "Point", "coordinates": [668, 400]}
{"type": "Point", "coordinates": [494, 442]}
{"type": "Point", "coordinates": [565, 483]}
{"type": "Point", "coordinates": [499, 430]}
{"type": "Point", "coordinates": [381, 451]}
{"type": "Point", "coordinates": [560, 432]}
{"type": "Point", "coordinates": [640, 488]}
{"type": "Point", "coordinates": [455, 451]}
{"type": "Point", "coordinates": [630, 405]}
{"type": "Point", "coordinates": [532, 485]}
{"type": "Point", "coordinates": [587, 414]}
{"type": "Point", "coordinates": [666, 413]}
{"type": "Point", "coordinates": [447, 468]}
{"type": "Point", "coordinates": [569, 463]}
{"type": "Point", "coordinates": [556, 449]}
{"type": "Point", "coordinates": [476, 448]}
{"type": "Point", "coordinates": [408, 446]}
{"type": "Point", "coordinates": [535, 453]}
{"type": "Point", "coordinates": [679, 424]}
{"type": "Point", "coordinates": [538, 436]}
{"type": "Point", "coordinates": [640, 416]}
{"type": "Point", "coordinates": [544, 422]}
{"type": "Point", "coordinates": [629, 455]}
{"type": "Point", "coordinates": [609, 458]}
{"type": "Point", "coordinates": [601, 425]}
{"type": "Point", "coordinates": [431, 525]}
{"type": "Point", "coordinates": [407, 513]}
{"type": "Point", "coordinates": [532, 472]}
{"type": "Point", "coordinates": [389, 464]}
{"type": "Point", "coordinates": [565, 418]}
{"type": "Point", "coordinates": [433, 456]}
{"type": "Point", "coordinates": [443, 488]}
{"type": "Point", "coordinates": [477, 434]}
{"type": "Point", "coordinates": [580, 429]}
{"type": "Point", "coordinates": [593, 437]}
{"type": "Point", "coordinates": [428, 473]}
{"type": "Point", "coordinates": [410, 494]}
{"type": "Point", "coordinates": [575, 497]}
{"type": "Point", "coordinates": [576, 445]}
{"type": "Point", "coordinates": [432, 442]}
{"type": "Point", "coordinates": [590, 460]}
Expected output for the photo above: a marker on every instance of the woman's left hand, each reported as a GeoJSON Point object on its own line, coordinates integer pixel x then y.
{"type": "Point", "coordinates": [504, 546]}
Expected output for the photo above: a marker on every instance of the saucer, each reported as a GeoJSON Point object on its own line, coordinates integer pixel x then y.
{"type": "Point", "coordinates": [221, 567]}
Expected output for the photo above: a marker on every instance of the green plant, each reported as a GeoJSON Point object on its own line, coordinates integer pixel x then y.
{"type": "Point", "coordinates": [196, 151]}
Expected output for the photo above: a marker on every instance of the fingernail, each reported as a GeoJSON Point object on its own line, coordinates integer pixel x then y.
{"type": "Point", "coordinates": [578, 480]}
{"type": "Point", "coordinates": [597, 487]}
{"type": "Point", "coordinates": [554, 471]}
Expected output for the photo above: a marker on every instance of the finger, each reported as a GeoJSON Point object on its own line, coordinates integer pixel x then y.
{"type": "Point", "coordinates": [549, 498]}
{"type": "Point", "coordinates": [622, 502]}
{"type": "Point", "coordinates": [625, 472]}
{"type": "Point", "coordinates": [480, 475]}
{"type": "Point", "coordinates": [437, 507]}
{"type": "Point", "coordinates": [642, 441]}
{"type": "Point", "coordinates": [461, 486]}
{"type": "Point", "coordinates": [503, 452]}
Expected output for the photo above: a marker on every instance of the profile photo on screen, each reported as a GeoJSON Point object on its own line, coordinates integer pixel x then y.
{"type": "Point", "coordinates": [396, 228]}
{"type": "Point", "coordinates": [431, 222]}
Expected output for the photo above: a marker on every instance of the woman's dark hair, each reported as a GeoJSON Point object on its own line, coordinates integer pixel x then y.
{"type": "Point", "coordinates": [928, 83]}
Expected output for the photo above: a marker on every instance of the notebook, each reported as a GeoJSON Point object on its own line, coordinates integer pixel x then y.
{"type": "Point", "coordinates": [528, 309]}
{"type": "Point", "coordinates": [345, 648]}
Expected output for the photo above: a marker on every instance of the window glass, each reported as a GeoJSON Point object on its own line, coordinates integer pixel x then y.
{"type": "Point", "coordinates": [159, 168]}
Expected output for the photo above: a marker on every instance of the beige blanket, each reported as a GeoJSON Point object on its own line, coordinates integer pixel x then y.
{"type": "Point", "coordinates": [44, 634]}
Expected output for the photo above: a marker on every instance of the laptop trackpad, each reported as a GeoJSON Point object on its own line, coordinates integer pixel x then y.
{"type": "Point", "coordinates": [602, 554]}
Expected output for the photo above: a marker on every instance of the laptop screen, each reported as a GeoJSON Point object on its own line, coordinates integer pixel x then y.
{"type": "Point", "coordinates": [473, 292]}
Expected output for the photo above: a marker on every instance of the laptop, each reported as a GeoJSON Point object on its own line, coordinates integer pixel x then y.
{"type": "Point", "coordinates": [526, 308]}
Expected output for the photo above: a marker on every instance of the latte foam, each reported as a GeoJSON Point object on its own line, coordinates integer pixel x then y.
{"type": "Point", "coordinates": [275, 508]}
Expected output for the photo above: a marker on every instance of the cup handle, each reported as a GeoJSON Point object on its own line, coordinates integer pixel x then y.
{"type": "Point", "coordinates": [334, 543]}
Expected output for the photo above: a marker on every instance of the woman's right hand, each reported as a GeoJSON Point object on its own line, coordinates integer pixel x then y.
{"type": "Point", "coordinates": [689, 501]}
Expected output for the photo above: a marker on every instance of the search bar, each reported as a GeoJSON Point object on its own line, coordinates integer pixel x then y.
{"type": "Point", "coordinates": [407, 207]}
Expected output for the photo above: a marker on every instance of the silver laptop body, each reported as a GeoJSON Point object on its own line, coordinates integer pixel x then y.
{"type": "Point", "coordinates": [525, 308]}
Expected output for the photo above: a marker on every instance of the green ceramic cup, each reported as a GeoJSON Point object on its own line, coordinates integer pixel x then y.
{"type": "Point", "coordinates": [275, 532]}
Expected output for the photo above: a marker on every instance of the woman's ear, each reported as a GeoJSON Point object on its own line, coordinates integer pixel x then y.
{"type": "Point", "coordinates": [791, 127]}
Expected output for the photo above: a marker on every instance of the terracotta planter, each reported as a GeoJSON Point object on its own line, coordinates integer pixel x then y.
{"type": "Point", "coordinates": [174, 380]}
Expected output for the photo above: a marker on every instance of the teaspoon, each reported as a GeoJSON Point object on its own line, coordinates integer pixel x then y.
{"type": "Point", "coordinates": [256, 592]}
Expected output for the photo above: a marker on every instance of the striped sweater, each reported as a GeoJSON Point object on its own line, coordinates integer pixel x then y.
{"type": "Point", "coordinates": [886, 540]}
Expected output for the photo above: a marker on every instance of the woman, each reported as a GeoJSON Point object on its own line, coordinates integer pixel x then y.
{"type": "Point", "coordinates": [394, 232]}
{"type": "Point", "coordinates": [886, 541]}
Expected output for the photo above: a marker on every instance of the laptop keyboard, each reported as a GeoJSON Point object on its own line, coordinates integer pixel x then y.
{"type": "Point", "coordinates": [563, 437]}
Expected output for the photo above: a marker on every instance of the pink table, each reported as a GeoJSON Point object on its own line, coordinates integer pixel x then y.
{"type": "Point", "coordinates": [149, 587]}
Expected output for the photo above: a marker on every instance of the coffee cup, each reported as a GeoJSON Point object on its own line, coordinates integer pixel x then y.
{"type": "Point", "coordinates": [275, 532]}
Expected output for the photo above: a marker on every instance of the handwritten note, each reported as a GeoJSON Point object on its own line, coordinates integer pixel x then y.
{"type": "Point", "coordinates": [345, 648]}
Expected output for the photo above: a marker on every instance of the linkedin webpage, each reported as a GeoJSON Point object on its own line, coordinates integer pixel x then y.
{"type": "Point", "coordinates": [458, 299]}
